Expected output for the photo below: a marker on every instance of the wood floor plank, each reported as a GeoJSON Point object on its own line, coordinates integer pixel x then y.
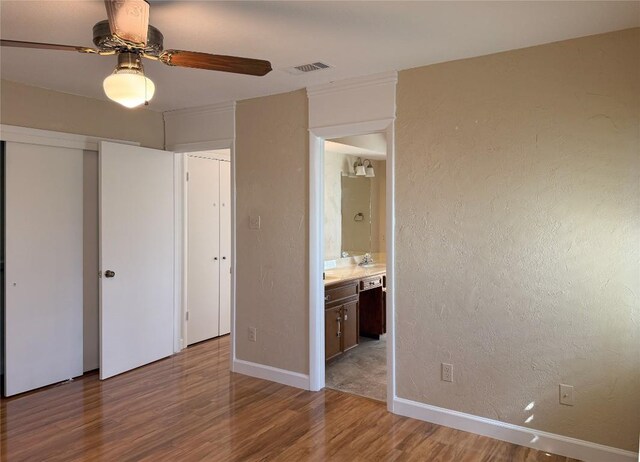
{"type": "Point", "coordinates": [190, 407]}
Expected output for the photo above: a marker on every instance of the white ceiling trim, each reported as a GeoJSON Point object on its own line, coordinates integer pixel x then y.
{"type": "Point", "coordinates": [202, 110]}
{"type": "Point", "coordinates": [351, 84]}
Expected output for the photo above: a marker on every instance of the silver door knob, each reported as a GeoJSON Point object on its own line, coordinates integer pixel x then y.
{"type": "Point", "coordinates": [109, 274]}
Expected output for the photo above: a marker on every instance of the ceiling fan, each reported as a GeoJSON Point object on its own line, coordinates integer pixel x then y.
{"type": "Point", "coordinates": [128, 35]}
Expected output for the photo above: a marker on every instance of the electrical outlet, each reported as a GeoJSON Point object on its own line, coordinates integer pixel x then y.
{"type": "Point", "coordinates": [254, 222]}
{"type": "Point", "coordinates": [447, 372]}
{"type": "Point", "coordinates": [252, 334]}
{"type": "Point", "coordinates": [566, 394]}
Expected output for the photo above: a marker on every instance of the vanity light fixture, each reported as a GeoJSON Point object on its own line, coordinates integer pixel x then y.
{"type": "Point", "coordinates": [369, 169]}
{"type": "Point", "coordinates": [358, 167]}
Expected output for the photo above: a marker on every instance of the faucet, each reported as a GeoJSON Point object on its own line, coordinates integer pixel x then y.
{"type": "Point", "coordinates": [366, 260]}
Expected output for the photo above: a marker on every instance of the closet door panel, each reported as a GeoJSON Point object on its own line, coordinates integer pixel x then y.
{"type": "Point", "coordinates": [203, 248]}
{"type": "Point", "coordinates": [44, 267]}
{"type": "Point", "coordinates": [225, 247]}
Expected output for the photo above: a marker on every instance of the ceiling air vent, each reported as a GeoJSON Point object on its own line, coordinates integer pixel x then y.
{"type": "Point", "coordinates": [304, 68]}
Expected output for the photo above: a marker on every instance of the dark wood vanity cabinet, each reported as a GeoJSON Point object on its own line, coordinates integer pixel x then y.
{"type": "Point", "coordinates": [373, 307]}
{"type": "Point", "coordinates": [340, 318]}
{"type": "Point", "coordinates": [352, 309]}
{"type": "Point", "coordinates": [350, 325]}
{"type": "Point", "coordinates": [332, 340]}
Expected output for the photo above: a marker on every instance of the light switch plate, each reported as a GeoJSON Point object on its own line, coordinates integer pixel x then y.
{"type": "Point", "coordinates": [254, 222]}
{"type": "Point", "coordinates": [566, 394]}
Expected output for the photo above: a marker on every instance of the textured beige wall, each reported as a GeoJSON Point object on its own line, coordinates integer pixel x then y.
{"type": "Point", "coordinates": [272, 155]}
{"type": "Point", "coordinates": [518, 224]}
{"type": "Point", "coordinates": [34, 107]}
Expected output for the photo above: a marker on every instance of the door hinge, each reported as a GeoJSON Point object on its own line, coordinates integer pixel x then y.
{"type": "Point", "coordinates": [186, 316]}
{"type": "Point", "coordinates": [187, 176]}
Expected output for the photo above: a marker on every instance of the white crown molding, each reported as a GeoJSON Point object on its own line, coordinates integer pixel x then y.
{"type": "Point", "coordinates": [50, 138]}
{"type": "Point", "coordinates": [350, 84]}
{"type": "Point", "coordinates": [202, 110]}
{"type": "Point", "coordinates": [528, 437]}
{"type": "Point", "coordinates": [223, 143]}
{"type": "Point", "coordinates": [260, 371]}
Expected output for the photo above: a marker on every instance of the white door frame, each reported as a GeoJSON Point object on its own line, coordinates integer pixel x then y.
{"type": "Point", "coordinates": [317, 137]}
{"type": "Point", "coordinates": [182, 151]}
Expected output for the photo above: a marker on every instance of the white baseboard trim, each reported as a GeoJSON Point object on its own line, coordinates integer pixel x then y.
{"type": "Point", "coordinates": [260, 371]}
{"type": "Point", "coordinates": [543, 441]}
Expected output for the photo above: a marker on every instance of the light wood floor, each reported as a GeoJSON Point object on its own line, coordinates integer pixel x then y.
{"type": "Point", "coordinates": [190, 407]}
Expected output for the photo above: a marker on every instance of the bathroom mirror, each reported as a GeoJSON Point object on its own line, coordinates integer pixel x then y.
{"type": "Point", "coordinates": [356, 215]}
{"type": "Point", "coordinates": [354, 197]}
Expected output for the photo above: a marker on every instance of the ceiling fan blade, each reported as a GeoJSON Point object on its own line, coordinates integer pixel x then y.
{"type": "Point", "coordinates": [45, 46]}
{"type": "Point", "coordinates": [210, 62]}
{"type": "Point", "coordinates": [129, 20]}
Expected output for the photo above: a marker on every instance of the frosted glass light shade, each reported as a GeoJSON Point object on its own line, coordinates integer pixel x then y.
{"type": "Point", "coordinates": [360, 170]}
{"type": "Point", "coordinates": [369, 172]}
{"type": "Point", "coordinates": [128, 87]}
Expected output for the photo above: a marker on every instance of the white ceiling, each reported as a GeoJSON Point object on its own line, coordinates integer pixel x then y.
{"type": "Point", "coordinates": [331, 147]}
{"type": "Point", "coordinates": [372, 146]}
{"type": "Point", "coordinates": [358, 38]}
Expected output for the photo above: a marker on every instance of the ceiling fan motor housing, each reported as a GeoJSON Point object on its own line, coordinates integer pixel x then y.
{"type": "Point", "coordinates": [104, 40]}
{"type": "Point", "coordinates": [129, 61]}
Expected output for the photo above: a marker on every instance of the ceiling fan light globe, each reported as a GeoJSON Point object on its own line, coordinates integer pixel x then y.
{"type": "Point", "coordinates": [128, 87]}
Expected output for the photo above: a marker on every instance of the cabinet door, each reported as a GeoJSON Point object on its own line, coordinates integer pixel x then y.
{"type": "Point", "coordinates": [350, 325]}
{"type": "Point", "coordinates": [332, 332]}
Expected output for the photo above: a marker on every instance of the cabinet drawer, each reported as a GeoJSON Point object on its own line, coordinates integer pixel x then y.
{"type": "Point", "coordinates": [333, 294]}
{"type": "Point", "coordinates": [371, 283]}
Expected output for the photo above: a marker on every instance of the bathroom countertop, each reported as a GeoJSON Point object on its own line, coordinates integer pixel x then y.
{"type": "Point", "coordinates": [349, 273]}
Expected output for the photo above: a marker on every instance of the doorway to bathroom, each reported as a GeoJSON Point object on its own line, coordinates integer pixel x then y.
{"type": "Point", "coordinates": [354, 277]}
{"type": "Point", "coordinates": [351, 108]}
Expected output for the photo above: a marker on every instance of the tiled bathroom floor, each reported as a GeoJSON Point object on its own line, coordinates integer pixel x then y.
{"type": "Point", "coordinates": [361, 370]}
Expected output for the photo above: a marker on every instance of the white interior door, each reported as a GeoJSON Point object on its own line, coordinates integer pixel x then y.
{"type": "Point", "coordinates": [137, 245]}
{"type": "Point", "coordinates": [203, 247]}
{"type": "Point", "coordinates": [225, 247]}
{"type": "Point", "coordinates": [43, 286]}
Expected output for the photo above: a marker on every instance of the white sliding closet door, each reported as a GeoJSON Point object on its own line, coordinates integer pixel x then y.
{"type": "Point", "coordinates": [137, 245]}
{"type": "Point", "coordinates": [43, 287]}
{"type": "Point", "coordinates": [203, 249]}
{"type": "Point", "coordinates": [225, 247]}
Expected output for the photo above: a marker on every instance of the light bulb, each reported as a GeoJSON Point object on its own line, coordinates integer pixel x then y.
{"type": "Point", "coordinates": [128, 87]}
